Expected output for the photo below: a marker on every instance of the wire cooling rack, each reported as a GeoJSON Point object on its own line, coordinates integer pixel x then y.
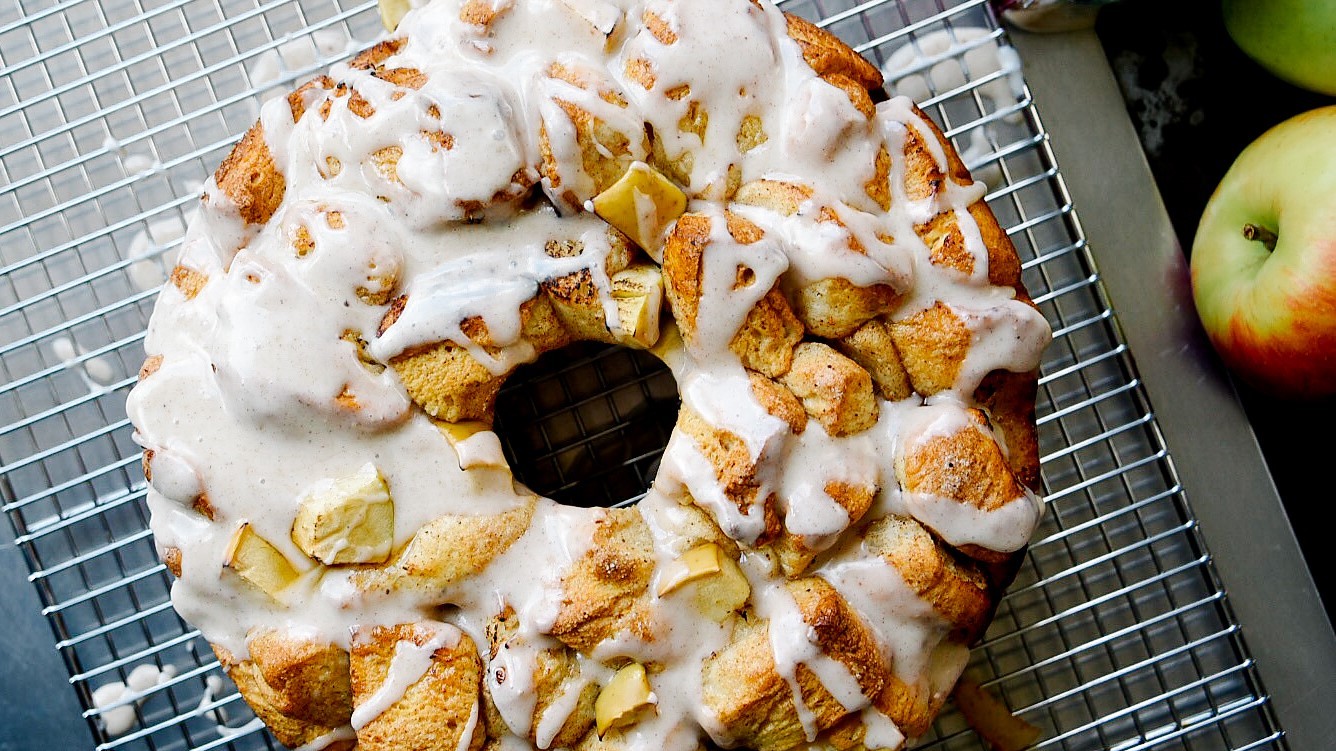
{"type": "Point", "coordinates": [1116, 634]}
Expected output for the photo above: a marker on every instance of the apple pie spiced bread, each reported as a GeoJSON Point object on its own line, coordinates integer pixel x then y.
{"type": "Point", "coordinates": [850, 481]}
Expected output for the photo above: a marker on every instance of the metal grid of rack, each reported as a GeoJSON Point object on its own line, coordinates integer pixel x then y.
{"type": "Point", "coordinates": [1115, 635]}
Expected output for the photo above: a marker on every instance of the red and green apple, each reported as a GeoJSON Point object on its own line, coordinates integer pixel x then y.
{"type": "Point", "coordinates": [1263, 260]}
{"type": "Point", "coordinates": [1293, 39]}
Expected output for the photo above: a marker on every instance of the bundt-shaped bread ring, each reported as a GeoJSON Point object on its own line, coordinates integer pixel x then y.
{"type": "Point", "coordinates": [851, 478]}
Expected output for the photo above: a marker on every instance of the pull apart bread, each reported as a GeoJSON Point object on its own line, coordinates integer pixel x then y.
{"type": "Point", "coordinates": [851, 479]}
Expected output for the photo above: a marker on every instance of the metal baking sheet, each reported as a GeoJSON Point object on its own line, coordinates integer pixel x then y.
{"type": "Point", "coordinates": [1116, 635]}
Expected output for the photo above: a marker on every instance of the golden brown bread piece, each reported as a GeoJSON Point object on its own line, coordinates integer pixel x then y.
{"type": "Point", "coordinates": [735, 469]}
{"type": "Point", "coordinates": [438, 710]}
{"type": "Point", "coordinates": [796, 553]}
{"type": "Point", "coordinates": [833, 307]}
{"type": "Point", "coordinates": [602, 589]}
{"type": "Point", "coordinates": [447, 550]}
{"type": "Point", "coordinates": [251, 179]}
{"type": "Point", "coordinates": [828, 54]}
{"type": "Point", "coordinates": [1009, 400]}
{"type": "Point", "coordinates": [188, 281]}
{"type": "Point", "coordinates": [605, 150]}
{"type": "Point", "coordinates": [967, 467]}
{"type": "Point", "coordinates": [743, 688]}
{"type": "Point", "coordinates": [575, 296]}
{"type": "Point", "coordinates": [770, 331]}
{"type": "Point", "coordinates": [836, 63]}
{"type": "Point", "coordinates": [556, 671]}
{"type": "Point", "coordinates": [284, 710]}
{"type": "Point", "coordinates": [309, 678]}
{"type": "Point", "coordinates": [448, 382]}
{"type": "Point", "coordinates": [776, 399]}
{"type": "Point", "coordinates": [954, 586]}
{"type": "Point", "coordinates": [873, 347]}
{"type": "Point", "coordinates": [931, 345]}
{"type": "Point", "coordinates": [956, 590]}
{"type": "Point", "coordinates": [833, 389]}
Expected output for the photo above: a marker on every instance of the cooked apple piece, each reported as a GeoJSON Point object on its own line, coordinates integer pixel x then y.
{"type": "Point", "coordinates": [669, 349]}
{"type": "Point", "coordinates": [991, 718]}
{"type": "Point", "coordinates": [347, 520]}
{"type": "Point", "coordinates": [625, 700]}
{"type": "Point", "coordinates": [642, 204]}
{"type": "Point", "coordinates": [697, 563]}
{"type": "Point", "coordinates": [256, 560]}
{"type": "Point", "coordinates": [392, 12]}
{"type": "Point", "coordinates": [721, 587]}
{"type": "Point", "coordinates": [638, 292]}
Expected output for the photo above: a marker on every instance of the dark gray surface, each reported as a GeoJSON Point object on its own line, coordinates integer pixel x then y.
{"type": "Point", "coordinates": [1223, 471]}
{"type": "Point", "coordinates": [38, 707]}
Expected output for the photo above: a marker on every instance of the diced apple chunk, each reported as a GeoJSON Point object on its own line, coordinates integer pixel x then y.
{"type": "Point", "coordinates": [347, 520]}
{"type": "Point", "coordinates": [642, 204]}
{"type": "Point", "coordinates": [392, 12]}
{"type": "Point", "coordinates": [699, 562]}
{"type": "Point", "coordinates": [720, 586]}
{"type": "Point", "coordinates": [638, 292]}
{"type": "Point", "coordinates": [625, 700]}
{"type": "Point", "coordinates": [258, 562]}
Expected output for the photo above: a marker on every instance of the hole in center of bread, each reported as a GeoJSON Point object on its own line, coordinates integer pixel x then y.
{"type": "Point", "coordinates": [585, 425]}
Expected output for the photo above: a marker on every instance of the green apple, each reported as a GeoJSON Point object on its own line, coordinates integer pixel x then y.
{"type": "Point", "coordinates": [1263, 260]}
{"type": "Point", "coordinates": [1294, 39]}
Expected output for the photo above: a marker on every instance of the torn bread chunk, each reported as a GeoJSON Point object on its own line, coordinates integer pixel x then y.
{"type": "Point", "coordinates": [834, 390]}
{"type": "Point", "coordinates": [535, 687]}
{"type": "Point", "coordinates": [957, 480]}
{"type": "Point", "coordinates": [416, 686]}
{"type": "Point", "coordinates": [766, 688]}
{"type": "Point", "coordinates": [697, 258]}
{"type": "Point", "coordinates": [269, 703]}
{"type": "Point", "coordinates": [604, 591]}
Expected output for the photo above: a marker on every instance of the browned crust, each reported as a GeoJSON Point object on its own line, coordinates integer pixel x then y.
{"type": "Point", "coordinates": [735, 469]}
{"type": "Point", "coordinates": [251, 179]}
{"type": "Point", "coordinates": [447, 550]}
{"type": "Point", "coordinates": [171, 558]}
{"type": "Point", "coordinates": [827, 54]}
{"type": "Point", "coordinates": [956, 588]}
{"type": "Point", "coordinates": [966, 466]}
{"type": "Point", "coordinates": [188, 281]}
{"type": "Point", "coordinates": [554, 668]}
{"type": "Point", "coordinates": [377, 53]}
{"type": "Point", "coordinates": [776, 399]}
{"type": "Point", "coordinates": [834, 390]}
{"type": "Point", "coordinates": [794, 554]}
{"type": "Point", "coordinates": [309, 678]}
{"type": "Point", "coordinates": [1009, 399]}
{"type": "Point", "coordinates": [150, 366]}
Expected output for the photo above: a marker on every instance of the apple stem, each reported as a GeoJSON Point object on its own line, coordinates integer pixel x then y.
{"type": "Point", "coordinates": [1260, 234]}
